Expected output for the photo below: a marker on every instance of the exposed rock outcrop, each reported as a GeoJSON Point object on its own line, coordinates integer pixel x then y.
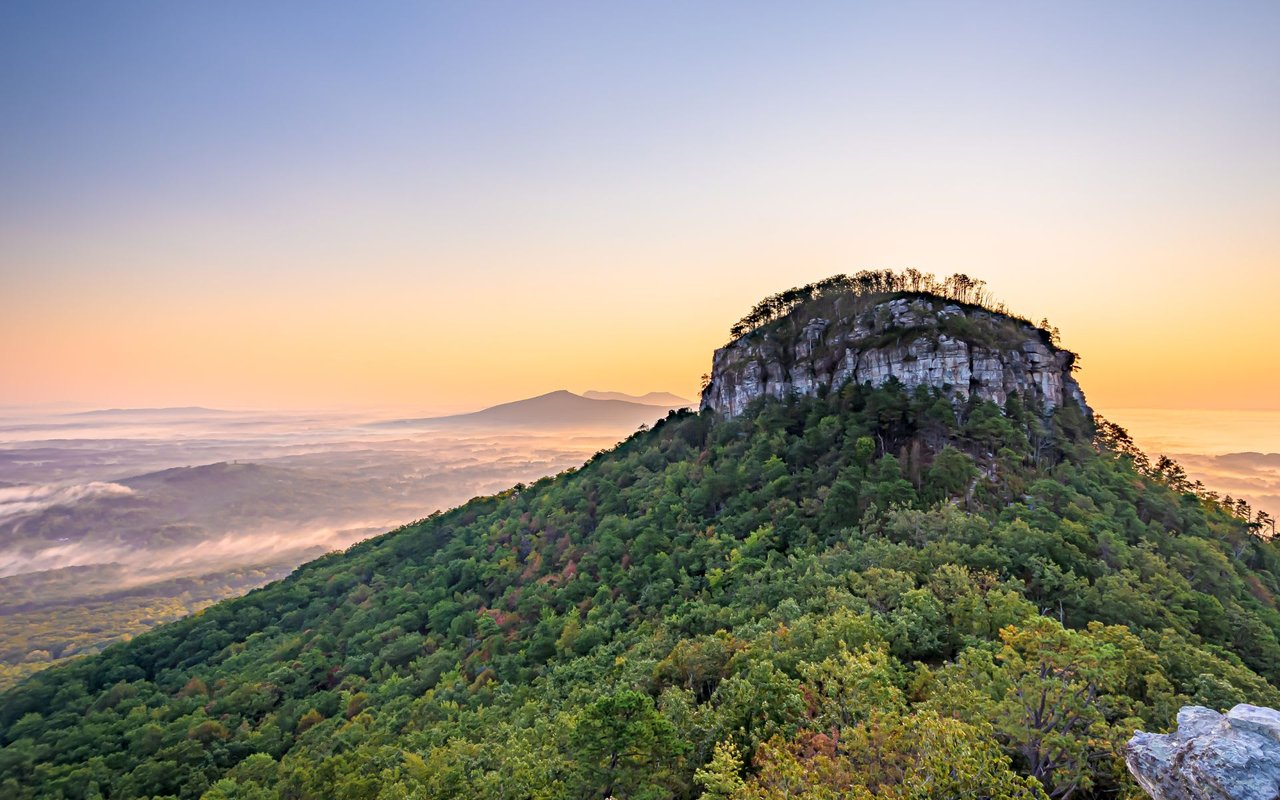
{"type": "Point", "coordinates": [1211, 756]}
{"type": "Point", "coordinates": [919, 340]}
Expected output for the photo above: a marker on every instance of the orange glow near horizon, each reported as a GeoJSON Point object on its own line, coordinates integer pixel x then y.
{"type": "Point", "coordinates": [459, 347]}
{"type": "Point", "coordinates": [487, 206]}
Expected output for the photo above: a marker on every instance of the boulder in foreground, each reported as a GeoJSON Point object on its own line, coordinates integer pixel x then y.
{"type": "Point", "coordinates": [1211, 756]}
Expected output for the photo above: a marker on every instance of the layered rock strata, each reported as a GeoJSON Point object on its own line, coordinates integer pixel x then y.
{"type": "Point", "coordinates": [919, 341]}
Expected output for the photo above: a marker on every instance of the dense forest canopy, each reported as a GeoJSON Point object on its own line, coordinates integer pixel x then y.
{"type": "Point", "coordinates": [871, 592]}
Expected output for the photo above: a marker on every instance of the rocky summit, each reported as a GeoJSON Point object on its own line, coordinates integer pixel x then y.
{"type": "Point", "coordinates": [1211, 756]}
{"type": "Point", "coordinates": [918, 339]}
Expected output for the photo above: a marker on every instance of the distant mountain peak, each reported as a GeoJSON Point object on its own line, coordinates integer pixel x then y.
{"type": "Point", "coordinates": [557, 410]}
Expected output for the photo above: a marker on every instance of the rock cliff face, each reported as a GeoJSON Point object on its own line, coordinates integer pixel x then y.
{"type": "Point", "coordinates": [920, 340]}
{"type": "Point", "coordinates": [1211, 756]}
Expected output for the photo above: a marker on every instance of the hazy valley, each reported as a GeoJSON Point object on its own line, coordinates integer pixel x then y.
{"type": "Point", "coordinates": [114, 521]}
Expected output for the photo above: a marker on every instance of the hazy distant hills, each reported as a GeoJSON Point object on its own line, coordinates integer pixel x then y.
{"type": "Point", "coordinates": [558, 410]}
{"type": "Point", "coordinates": [665, 399]}
{"type": "Point", "coordinates": [215, 513]}
{"type": "Point", "coordinates": [176, 411]}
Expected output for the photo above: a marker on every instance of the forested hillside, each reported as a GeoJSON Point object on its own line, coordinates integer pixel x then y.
{"type": "Point", "coordinates": [865, 593]}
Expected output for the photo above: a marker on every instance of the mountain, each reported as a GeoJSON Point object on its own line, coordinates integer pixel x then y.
{"type": "Point", "coordinates": [664, 399]}
{"type": "Point", "coordinates": [552, 411]}
{"type": "Point", "coordinates": [850, 590]}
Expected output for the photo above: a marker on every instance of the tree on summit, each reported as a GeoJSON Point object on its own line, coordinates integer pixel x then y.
{"type": "Point", "coordinates": [959, 288]}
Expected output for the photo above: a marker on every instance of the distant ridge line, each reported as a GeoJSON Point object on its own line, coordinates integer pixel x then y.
{"type": "Point", "coordinates": [141, 411]}
{"type": "Point", "coordinates": [651, 398]}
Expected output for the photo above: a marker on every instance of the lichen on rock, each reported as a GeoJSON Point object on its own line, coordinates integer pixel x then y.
{"type": "Point", "coordinates": [917, 339]}
{"type": "Point", "coordinates": [1211, 756]}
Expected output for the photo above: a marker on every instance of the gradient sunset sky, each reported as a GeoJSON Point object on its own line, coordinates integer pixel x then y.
{"type": "Point", "coordinates": [446, 205]}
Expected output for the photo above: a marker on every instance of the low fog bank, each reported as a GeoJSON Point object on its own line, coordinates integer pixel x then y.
{"type": "Point", "coordinates": [143, 562]}
{"type": "Point", "coordinates": [163, 493]}
{"type": "Point", "coordinates": [1210, 432]}
{"type": "Point", "coordinates": [21, 500]}
{"type": "Point", "coordinates": [1255, 477]}
{"type": "Point", "coordinates": [1232, 452]}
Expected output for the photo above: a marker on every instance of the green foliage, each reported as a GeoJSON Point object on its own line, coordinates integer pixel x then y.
{"type": "Point", "coordinates": [51, 617]}
{"type": "Point", "coordinates": [624, 747]}
{"type": "Point", "coordinates": [721, 778]}
{"type": "Point", "coordinates": [1064, 701]}
{"type": "Point", "coordinates": [958, 288]}
{"type": "Point", "coordinates": [821, 597]}
{"type": "Point", "coordinates": [923, 756]}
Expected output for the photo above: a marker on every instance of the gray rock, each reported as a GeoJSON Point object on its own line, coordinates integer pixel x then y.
{"type": "Point", "coordinates": [898, 339]}
{"type": "Point", "coordinates": [1211, 756]}
{"type": "Point", "coordinates": [1196, 721]}
{"type": "Point", "coordinates": [1264, 721]}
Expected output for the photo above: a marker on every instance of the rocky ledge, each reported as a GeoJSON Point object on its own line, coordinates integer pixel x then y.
{"type": "Point", "coordinates": [1211, 756]}
{"type": "Point", "coordinates": [919, 340]}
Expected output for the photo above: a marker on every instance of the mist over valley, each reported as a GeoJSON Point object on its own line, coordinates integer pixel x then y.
{"type": "Point", "coordinates": [113, 521]}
